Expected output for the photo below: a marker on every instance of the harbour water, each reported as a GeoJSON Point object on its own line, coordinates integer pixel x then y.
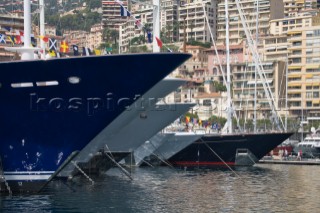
{"type": "Point", "coordinates": [262, 188]}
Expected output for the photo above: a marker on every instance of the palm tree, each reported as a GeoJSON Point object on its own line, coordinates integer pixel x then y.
{"type": "Point", "coordinates": [114, 34]}
{"type": "Point", "coordinates": [175, 30]}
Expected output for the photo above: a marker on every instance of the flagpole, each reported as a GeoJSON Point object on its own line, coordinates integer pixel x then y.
{"type": "Point", "coordinates": [42, 31]}
{"type": "Point", "coordinates": [156, 24]}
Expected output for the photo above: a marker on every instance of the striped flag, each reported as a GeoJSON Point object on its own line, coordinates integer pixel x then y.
{"type": "Point", "coordinates": [124, 11]}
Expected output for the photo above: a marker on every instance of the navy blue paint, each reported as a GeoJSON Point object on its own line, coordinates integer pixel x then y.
{"type": "Point", "coordinates": [227, 145]}
{"type": "Point", "coordinates": [49, 132]}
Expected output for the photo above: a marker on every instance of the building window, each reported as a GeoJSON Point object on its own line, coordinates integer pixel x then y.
{"type": "Point", "coordinates": [309, 103]}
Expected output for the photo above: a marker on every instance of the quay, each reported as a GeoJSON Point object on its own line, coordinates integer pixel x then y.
{"type": "Point", "coordinates": [290, 161]}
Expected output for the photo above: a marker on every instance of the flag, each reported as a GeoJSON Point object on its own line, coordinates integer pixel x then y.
{"type": "Point", "coordinates": [86, 51]}
{"type": "Point", "coordinates": [195, 121]}
{"type": "Point", "coordinates": [187, 119]}
{"type": "Point", "coordinates": [124, 11]}
{"type": "Point", "coordinates": [138, 23]}
{"type": "Point", "coordinates": [7, 28]}
{"type": "Point", "coordinates": [12, 39]}
{"type": "Point", "coordinates": [3, 38]}
{"type": "Point", "coordinates": [52, 53]}
{"type": "Point", "coordinates": [44, 38]}
{"type": "Point", "coordinates": [159, 42]}
{"type": "Point", "coordinates": [75, 50]}
{"type": "Point", "coordinates": [19, 36]}
{"type": "Point", "coordinates": [33, 41]}
{"type": "Point", "coordinates": [97, 52]}
{"type": "Point", "coordinates": [149, 37]}
{"type": "Point", "coordinates": [200, 122]}
{"type": "Point", "coordinates": [64, 47]}
{"type": "Point", "coordinates": [52, 44]}
{"type": "Point", "coordinates": [119, 2]}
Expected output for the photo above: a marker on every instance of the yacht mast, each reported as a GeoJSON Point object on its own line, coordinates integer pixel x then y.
{"type": "Point", "coordinates": [286, 103]}
{"type": "Point", "coordinates": [156, 24]}
{"type": "Point", "coordinates": [42, 31]}
{"type": "Point", "coordinates": [255, 71]}
{"type": "Point", "coordinates": [229, 110]}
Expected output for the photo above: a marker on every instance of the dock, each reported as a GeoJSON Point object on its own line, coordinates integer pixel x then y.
{"type": "Point", "coordinates": [291, 162]}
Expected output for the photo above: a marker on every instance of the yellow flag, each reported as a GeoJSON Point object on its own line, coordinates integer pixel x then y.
{"type": "Point", "coordinates": [52, 53]}
{"type": "Point", "coordinates": [97, 52]}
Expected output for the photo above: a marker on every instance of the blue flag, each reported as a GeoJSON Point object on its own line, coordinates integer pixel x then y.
{"type": "Point", "coordinates": [7, 28]}
{"type": "Point", "coordinates": [75, 50]}
{"type": "Point", "coordinates": [149, 37]}
{"type": "Point", "coordinates": [86, 51]}
{"type": "Point", "coordinates": [124, 11]}
{"type": "Point", "coordinates": [52, 44]}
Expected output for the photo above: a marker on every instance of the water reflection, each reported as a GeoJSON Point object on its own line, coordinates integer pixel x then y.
{"type": "Point", "coordinates": [262, 188]}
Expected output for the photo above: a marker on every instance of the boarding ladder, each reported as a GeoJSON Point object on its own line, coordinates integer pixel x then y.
{"type": "Point", "coordinates": [4, 179]}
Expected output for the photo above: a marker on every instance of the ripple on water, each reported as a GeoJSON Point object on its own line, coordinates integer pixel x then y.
{"type": "Point", "coordinates": [262, 188]}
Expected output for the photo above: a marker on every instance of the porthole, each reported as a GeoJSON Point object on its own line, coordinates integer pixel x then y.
{"type": "Point", "coordinates": [22, 85]}
{"type": "Point", "coordinates": [47, 83]}
{"type": "Point", "coordinates": [74, 80]}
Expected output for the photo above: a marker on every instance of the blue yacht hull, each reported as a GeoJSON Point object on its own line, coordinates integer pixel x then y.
{"type": "Point", "coordinates": [51, 108]}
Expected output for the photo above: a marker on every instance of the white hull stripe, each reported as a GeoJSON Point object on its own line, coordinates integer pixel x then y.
{"type": "Point", "coordinates": [26, 177]}
{"type": "Point", "coordinates": [28, 172]}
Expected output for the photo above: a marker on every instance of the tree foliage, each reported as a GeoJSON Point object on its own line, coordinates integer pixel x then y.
{"type": "Point", "coordinates": [79, 20]}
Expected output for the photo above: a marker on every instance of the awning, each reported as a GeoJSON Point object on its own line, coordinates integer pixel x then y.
{"type": "Point", "coordinates": [291, 84]}
{"type": "Point", "coordinates": [309, 75]}
{"type": "Point", "coordinates": [294, 32]}
{"type": "Point", "coordinates": [270, 48]}
{"type": "Point", "coordinates": [315, 101]}
{"type": "Point", "coordinates": [282, 47]}
{"type": "Point", "coordinates": [313, 66]}
{"type": "Point", "coordinates": [315, 83]}
{"type": "Point", "coordinates": [294, 92]}
{"type": "Point", "coordinates": [258, 82]}
{"type": "Point", "coordinates": [294, 67]}
{"type": "Point", "coordinates": [294, 75]}
{"type": "Point", "coordinates": [308, 84]}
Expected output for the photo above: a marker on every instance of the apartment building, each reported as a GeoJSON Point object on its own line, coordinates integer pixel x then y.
{"type": "Point", "coordinates": [199, 60]}
{"type": "Point", "coordinates": [304, 71]}
{"type": "Point", "coordinates": [275, 47]}
{"type": "Point", "coordinates": [169, 19]}
{"type": "Point", "coordinates": [243, 80]}
{"type": "Point", "coordinates": [282, 26]}
{"type": "Point", "coordinates": [95, 36]}
{"type": "Point", "coordinates": [111, 17]}
{"type": "Point", "coordinates": [13, 21]}
{"type": "Point", "coordinates": [192, 20]}
{"type": "Point", "coordinates": [265, 10]}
